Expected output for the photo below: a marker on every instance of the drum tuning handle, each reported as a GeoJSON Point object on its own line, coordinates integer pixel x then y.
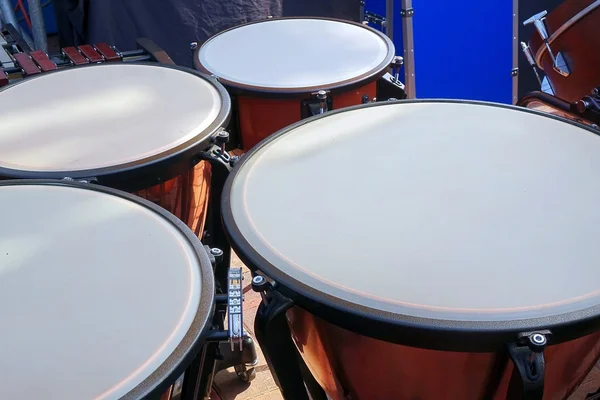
{"type": "Point", "coordinates": [558, 61]}
{"type": "Point", "coordinates": [322, 97]}
{"type": "Point", "coordinates": [538, 21]}
{"type": "Point", "coordinates": [531, 60]}
{"type": "Point", "coordinates": [221, 138]}
{"type": "Point", "coordinates": [397, 63]}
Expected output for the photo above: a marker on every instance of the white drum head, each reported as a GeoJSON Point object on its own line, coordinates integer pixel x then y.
{"type": "Point", "coordinates": [443, 210]}
{"type": "Point", "coordinates": [97, 293]}
{"type": "Point", "coordinates": [296, 54]}
{"type": "Point", "coordinates": [106, 116]}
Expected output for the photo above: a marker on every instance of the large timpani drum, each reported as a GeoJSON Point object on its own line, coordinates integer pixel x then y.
{"type": "Point", "coordinates": [135, 127]}
{"type": "Point", "coordinates": [275, 69]}
{"type": "Point", "coordinates": [83, 316]}
{"type": "Point", "coordinates": [468, 239]}
{"type": "Point", "coordinates": [570, 59]}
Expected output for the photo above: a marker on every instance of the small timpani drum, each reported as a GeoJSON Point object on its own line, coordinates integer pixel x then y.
{"type": "Point", "coordinates": [82, 269]}
{"type": "Point", "coordinates": [134, 127]}
{"type": "Point", "coordinates": [466, 247]}
{"type": "Point", "coordinates": [569, 54]}
{"type": "Point", "coordinates": [283, 70]}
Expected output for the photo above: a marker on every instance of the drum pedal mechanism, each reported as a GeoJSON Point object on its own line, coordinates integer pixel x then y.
{"type": "Point", "coordinates": [527, 354]}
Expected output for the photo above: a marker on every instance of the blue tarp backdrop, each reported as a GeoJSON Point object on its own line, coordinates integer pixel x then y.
{"type": "Point", "coordinates": [462, 49]}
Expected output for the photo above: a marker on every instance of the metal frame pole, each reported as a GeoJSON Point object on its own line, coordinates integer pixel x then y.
{"type": "Point", "coordinates": [38, 26]}
{"type": "Point", "coordinates": [389, 18]}
{"type": "Point", "coordinates": [408, 41]}
{"type": "Point", "coordinates": [515, 52]}
{"type": "Point", "coordinates": [361, 15]}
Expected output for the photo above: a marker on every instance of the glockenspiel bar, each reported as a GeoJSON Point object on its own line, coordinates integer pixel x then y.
{"type": "Point", "coordinates": [26, 64]}
{"type": "Point", "coordinates": [43, 61]}
{"type": "Point", "coordinates": [90, 53]}
{"type": "Point", "coordinates": [74, 55]}
{"type": "Point", "coordinates": [107, 52]}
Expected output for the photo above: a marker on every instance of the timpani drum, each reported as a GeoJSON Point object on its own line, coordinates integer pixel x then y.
{"type": "Point", "coordinates": [571, 58]}
{"type": "Point", "coordinates": [134, 127]}
{"type": "Point", "coordinates": [466, 247]}
{"type": "Point", "coordinates": [83, 316]}
{"type": "Point", "coordinates": [276, 68]}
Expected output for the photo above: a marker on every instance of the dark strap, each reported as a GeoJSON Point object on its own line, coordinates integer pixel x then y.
{"type": "Point", "coordinates": [527, 380]}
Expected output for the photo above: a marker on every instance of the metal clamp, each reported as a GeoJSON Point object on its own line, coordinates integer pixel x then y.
{"type": "Point", "coordinates": [80, 180]}
{"type": "Point", "coordinates": [527, 354]}
{"type": "Point", "coordinates": [407, 13]}
{"type": "Point", "coordinates": [234, 307]}
{"type": "Point", "coordinates": [558, 61]}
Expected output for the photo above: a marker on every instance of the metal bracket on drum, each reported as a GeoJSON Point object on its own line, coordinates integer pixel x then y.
{"type": "Point", "coordinates": [527, 354]}
{"type": "Point", "coordinates": [558, 61]}
{"type": "Point", "coordinates": [221, 165]}
{"type": "Point", "coordinates": [319, 104]}
{"type": "Point", "coordinates": [274, 337]}
{"type": "Point", "coordinates": [389, 86]}
{"type": "Point", "coordinates": [81, 180]}
{"type": "Point", "coordinates": [589, 107]}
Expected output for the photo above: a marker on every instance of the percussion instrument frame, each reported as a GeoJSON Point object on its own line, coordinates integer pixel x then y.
{"type": "Point", "coordinates": [522, 339]}
{"type": "Point", "coordinates": [356, 82]}
{"type": "Point", "coordinates": [186, 351]}
{"type": "Point", "coordinates": [144, 173]}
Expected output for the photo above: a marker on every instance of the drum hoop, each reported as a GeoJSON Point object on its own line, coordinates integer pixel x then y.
{"type": "Point", "coordinates": [428, 333]}
{"type": "Point", "coordinates": [563, 28]}
{"type": "Point", "coordinates": [183, 355]}
{"type": "Point", "coordinates": [160, 167]}
{"type": "Point", "coordinates": [348, 84]}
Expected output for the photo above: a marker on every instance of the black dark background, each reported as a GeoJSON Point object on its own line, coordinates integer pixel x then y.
{"type": "Point", "coordinates": [121, 22]}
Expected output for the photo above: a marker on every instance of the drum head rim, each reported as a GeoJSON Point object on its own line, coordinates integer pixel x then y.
{"type": "Point", "coordinates": [429, 333]}
{"type": "Point", "coordinates": [185, 352]}
{"type": "Point", "coordinates": [181, 155]}
{"type": "Point", "coordinates": [374, 74]}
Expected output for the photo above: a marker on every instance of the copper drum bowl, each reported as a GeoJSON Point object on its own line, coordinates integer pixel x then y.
{"type": "Point", "coordinates": [460, 261]}
{"type": "Point", "coordinates": [572, 30]}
